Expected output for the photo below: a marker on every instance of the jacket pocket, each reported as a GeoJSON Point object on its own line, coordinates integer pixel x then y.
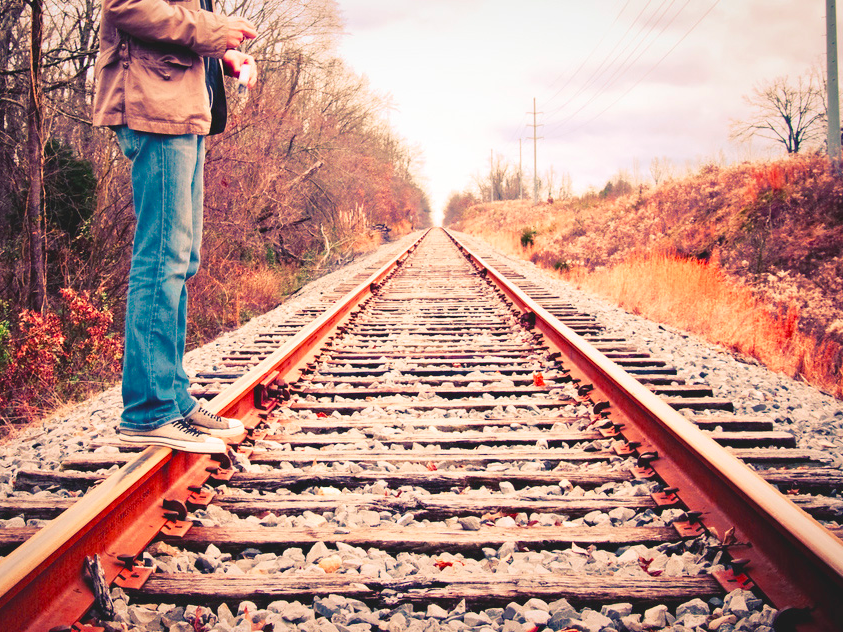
{"type": "Point", "coordinates": [106, 56]}
{"type": "Point", "coordinates": [168, 64]}
{"type": "Point", "coordinates": [166, 85]}
{"type": "Point", "coordinates": [174, 66]}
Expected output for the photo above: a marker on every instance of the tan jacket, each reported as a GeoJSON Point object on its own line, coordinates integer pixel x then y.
{"type": "Point", "coordinates": [149, 73]}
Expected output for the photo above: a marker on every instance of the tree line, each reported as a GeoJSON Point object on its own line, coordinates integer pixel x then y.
{"type": "Point", "coordinates": [306, 166]}
{"type": "Point", "coordinates": [788, 112]}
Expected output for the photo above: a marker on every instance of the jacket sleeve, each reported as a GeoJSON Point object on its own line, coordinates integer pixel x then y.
{"type": "Point", "coordinates": [159, 21]}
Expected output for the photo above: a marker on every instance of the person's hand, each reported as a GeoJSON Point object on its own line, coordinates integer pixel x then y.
{"type": "Point", "coordinates": [233, 60]}
{"type": "Point", "coordinates": [238, 30]}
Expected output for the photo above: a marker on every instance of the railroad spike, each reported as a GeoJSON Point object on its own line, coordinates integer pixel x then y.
{"type": "Point", "coordinates": [175, 507]}
{"type": "Point", "coordinates": [645, 458]}
{"type": "Point", "coordinates": [223, 459]}
{"type": "Point", "coordinates": [127, 560]}
{"type": "Point", "coordinates": [739, 563]}
{"type": "Point", "coordinates": [584, 389]}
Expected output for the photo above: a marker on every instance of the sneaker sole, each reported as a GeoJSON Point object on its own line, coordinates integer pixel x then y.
{"type": "Point", "coordinates": [223, 433]}
{"type": "Point", "coordinates": [184, 446]}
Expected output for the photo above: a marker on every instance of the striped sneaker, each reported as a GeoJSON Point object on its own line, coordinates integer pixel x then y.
{"type": "Point", "coordinates": [178, 435]}
{"type": "Point", "coordinates": [214, 425]}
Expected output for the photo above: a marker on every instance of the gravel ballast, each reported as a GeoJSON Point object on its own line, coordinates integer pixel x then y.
{"type": "Point", "coordinates": [815, 419]}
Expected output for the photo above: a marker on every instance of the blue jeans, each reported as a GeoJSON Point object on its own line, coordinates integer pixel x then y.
{"type": "Point", "coordinates": [167, 191]}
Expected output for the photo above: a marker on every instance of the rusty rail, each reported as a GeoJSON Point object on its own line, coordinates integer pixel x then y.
{"type": "Point", "coordinates": [793, 559]}
{"type": "Point", "coordinates": [42, 583]}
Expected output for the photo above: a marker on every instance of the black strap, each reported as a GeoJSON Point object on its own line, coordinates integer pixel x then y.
{"type": "Point", "coordinates": [215, 85]}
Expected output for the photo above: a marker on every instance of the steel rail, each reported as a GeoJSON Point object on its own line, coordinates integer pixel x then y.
{"type": "Point", "coordinates": [286, 363]}
{"type": "Point", "coordinates": [42, 583]}
{"type": "Point", "coordinates": [792, 558]}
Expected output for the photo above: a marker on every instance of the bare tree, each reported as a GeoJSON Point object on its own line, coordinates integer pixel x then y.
{"type": "Point", "coordinates": [501, 182]}
{"type": "Point", "coordinates": [12, 106]}
{"type": "Point", "coordinates": [550, 182]}
{"type": "Point", "coordinates": [793, 115]}
{"type": "Point", "coordinates": [661, 169]}
{"type": "Point", "coordinates": [566, 186]}
{"type": "Point", "coordinates": [35, 153]}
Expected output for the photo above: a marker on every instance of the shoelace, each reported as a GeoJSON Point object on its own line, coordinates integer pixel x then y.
{"type": "Point", "coordinates": [211, 415]}
{"type": "Point", "coordinates": [185, 427]}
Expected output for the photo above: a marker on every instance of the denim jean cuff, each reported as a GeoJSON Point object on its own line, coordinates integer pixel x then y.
{"type": "Point", "coordinates": [146, 427]}
{"type": "Point", "coordinates": [192, 409]}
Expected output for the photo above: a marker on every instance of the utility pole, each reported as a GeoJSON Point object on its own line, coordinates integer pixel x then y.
{"type": "Point", "coordinates": [535, 153]}
{"type": "Point", "coordinates": [831, 80]}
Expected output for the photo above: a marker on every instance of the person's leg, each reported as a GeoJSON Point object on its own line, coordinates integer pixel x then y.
{"type": "Point", "coordinates": [186, 403]}
{"type": "Point", "coordinates": [163, 170]}
{"type": "Point", "coordinates": [190, 409]}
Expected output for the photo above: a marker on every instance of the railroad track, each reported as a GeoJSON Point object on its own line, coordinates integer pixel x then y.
{"type": "Point", "coordinates": [442, 439]}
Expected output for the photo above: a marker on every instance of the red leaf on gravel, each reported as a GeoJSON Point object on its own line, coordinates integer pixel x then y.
{"type": "Point", "coordinates": [431, 466]}
{"type": "Point", "coordinates": [538, 379]}
{"type": "Point", "coordinates": [645, 565]}
{"type": "Point", "coordinates": [321, 415]}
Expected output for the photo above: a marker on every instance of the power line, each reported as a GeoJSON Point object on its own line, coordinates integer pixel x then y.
{"type": "Point", "coordinates": [652, 68]}
{"type": "Point", "coordinates": [598, 71]}
{"type": "Point", "coordinates": [588, 58]}
{"type": "Point", "coordinates": [517, 133]}
{"type": "Point", "coordinates": [627, 63]}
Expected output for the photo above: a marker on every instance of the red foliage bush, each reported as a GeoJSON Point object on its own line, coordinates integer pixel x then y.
{"type": "Point", "coordinates": [60, 355]}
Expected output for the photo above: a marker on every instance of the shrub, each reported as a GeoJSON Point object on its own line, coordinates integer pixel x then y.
{"type": "Point", "coordinates": [63, 354]}
{"type": "Point", "coordinates": [528, 236]}
{"type": "Point", "coordinates": [759, 222]}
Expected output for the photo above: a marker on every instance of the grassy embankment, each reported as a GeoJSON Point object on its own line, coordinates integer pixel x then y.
{"type": "Point", "coordinates": [749, 257]}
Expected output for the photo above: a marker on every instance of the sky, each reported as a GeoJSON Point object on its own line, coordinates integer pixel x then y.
{"type": "Point", "coordinates": [617, 83]}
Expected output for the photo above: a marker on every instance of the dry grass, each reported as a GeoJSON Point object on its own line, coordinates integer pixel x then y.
{"type": "Point", "coordinates": [701, 298]}
{"type": "Point", "coordinates": [224, 296]}
{"type": "Point", "coordinates": [773, 232]}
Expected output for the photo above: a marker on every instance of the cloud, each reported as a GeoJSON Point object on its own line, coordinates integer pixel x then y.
{"type": "Point", "coordinates": [462, 75]}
